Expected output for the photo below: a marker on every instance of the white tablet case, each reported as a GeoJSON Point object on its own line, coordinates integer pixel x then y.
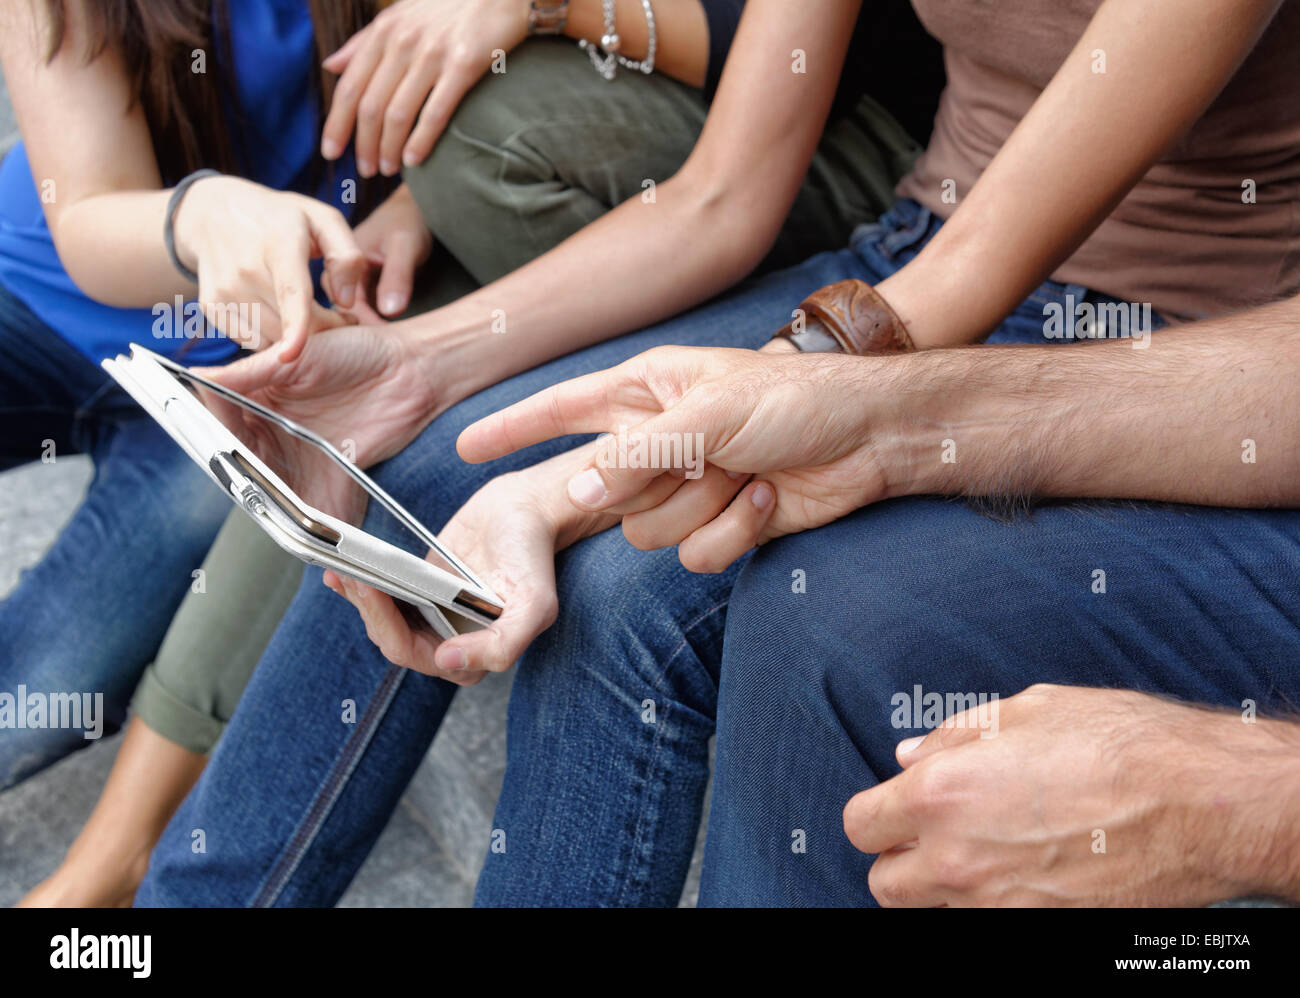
{"type": "Point", "coordinates": [449, 603]}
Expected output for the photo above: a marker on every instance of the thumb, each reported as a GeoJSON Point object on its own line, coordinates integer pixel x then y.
{"type": "Point", "coordinates": [529, 610]}
{"type": "Point", "coordinates": [956, 730]}
{"type": "Point", "coordinates": [247, 374]}
{"type": "Point", "coordinates": [497, 648]}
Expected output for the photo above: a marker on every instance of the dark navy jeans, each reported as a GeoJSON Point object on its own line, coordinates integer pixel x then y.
{"type": "Point", "coordinates": [89, 616]}
{"type": "Point", "coordinates": [612, 709]}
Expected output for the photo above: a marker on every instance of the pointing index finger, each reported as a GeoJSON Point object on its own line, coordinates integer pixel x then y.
{"type": "Point", "coordinates": [582, 405]}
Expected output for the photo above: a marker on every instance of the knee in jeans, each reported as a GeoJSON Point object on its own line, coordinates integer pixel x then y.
{"type": "Point", "coordinates": [803, 614]}
{"type": "Point", "coordinates": [636, 619]}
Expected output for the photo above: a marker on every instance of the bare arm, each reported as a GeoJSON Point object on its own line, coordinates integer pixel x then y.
{"type": "Point", "coordinates": [91, 152]}
{"type": "Point", "coordinates": [709, 225]}
{"type": "Point", "coordinates": [1210, 414]}
{"type": "Point", "coordinates": [1206, 804]}
{"type": "Point", "coordinates": [682, 45]}
{"type": "Point", "coordinates": [104, 187]}
{"type": "Point", "coordinates": [1050, 186]}
{"type": "Point", "coordinates": [825, 434]}
{"type": "Point", "coordinates": [1039, 199]}
{"type": "Point", "coordinates": [403, 75]}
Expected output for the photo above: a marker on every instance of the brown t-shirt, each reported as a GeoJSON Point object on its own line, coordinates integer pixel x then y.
{"type": "Point", "coordinates": [1183, 239]}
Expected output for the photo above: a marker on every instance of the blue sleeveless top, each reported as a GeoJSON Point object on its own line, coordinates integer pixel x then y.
{"type": "Point", "coordinates": [276, 69]}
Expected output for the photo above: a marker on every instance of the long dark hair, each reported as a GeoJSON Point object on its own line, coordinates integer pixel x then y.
{"type": "Point", "coordinates": [187, 113]}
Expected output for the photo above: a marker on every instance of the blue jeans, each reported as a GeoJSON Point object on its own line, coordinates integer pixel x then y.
{"type": "Point", "coordinates": [1199, 604]}
{"type": "Point", "coordinates": [612, 707]}
{"type": "Point", "coordinates": [90, 615]}
{"type": "Point", "coordinates": [294, 796]}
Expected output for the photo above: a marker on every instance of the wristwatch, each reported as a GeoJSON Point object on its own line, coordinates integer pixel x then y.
{"type": "Point", "coordinates": [547, 17]}
{"type": "Point", "coordinates": [848, 317]}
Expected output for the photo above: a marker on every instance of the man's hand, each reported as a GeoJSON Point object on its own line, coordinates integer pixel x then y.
{"type": "Point", "coordinates": [804, 423]}
{"type": "Point", "coordinates": [1085, 797]}
{"type": "Point", "coordinates": [403, 75]}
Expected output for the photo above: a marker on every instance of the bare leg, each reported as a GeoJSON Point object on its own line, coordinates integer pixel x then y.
{"type": "Point", "coordinates": [106, 863]}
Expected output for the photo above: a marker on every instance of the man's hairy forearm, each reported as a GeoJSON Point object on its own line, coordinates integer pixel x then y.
{"type": "Point", "coordinates": [1206, 414]}
{"type": "Point", "coordinates": [1267, 835]}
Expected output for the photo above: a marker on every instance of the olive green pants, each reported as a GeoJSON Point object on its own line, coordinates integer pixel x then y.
{"type": "Point", "coordinates": [531, 156]}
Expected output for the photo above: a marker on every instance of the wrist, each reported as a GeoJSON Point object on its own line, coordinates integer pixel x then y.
{"type": "Point", "coordinates": [941, 298]}
{"type": "Point", "coordinates": [454, 350]}
{"type": "Point", "coordinates": [586, 21]}
{"type": "Point", "coordinates": [989, 422]}
{"type": "Point", "coordinates": [544, 17]}
{"type": "Point", "coordinates": [190, 221]}
{"type": "Point", "coordinates": [1253, 814]}
{"type": "Point", "coordinates": [1225, 788]}
{"type": "Point", "coordinates": [402, 195]}
{"type": "Point", "coordinates": [778, 344]}
{"type": "Point", "coordinates": [930, 422]}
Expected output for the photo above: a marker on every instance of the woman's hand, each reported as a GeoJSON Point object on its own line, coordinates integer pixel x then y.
{"type": "Point", "coordinates": [360, 387]}
{"type": "Point", "coordinates": [403, 75]}
{"type": "Point", "coordinates": [251, 246]}
{"type": "Point", "coordinates": [396, 241]}
{"type": "Point", "coordinates": [812, 427]}
{"type": "Point", "coordinates": [510, 529]}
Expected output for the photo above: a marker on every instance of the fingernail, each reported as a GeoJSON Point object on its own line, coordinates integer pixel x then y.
{"type": "Point", "coordinates": [387, 167]}
{"type": "Point", "coordinates": [909, 744]}
{"type": "Point", "coordinates": [761, 497]}
{"type": "Point", "coordinates": [735, 476]}
{"type": "Point", "coordinates": [453, 659]}
{"type": "Point", "coordinates": [587, 489]}
{"type": "Point", "coordinates": [329, 149]}
{"type": "Point", "coordinates": [410, 159]}
{"type": "Point", "coordinates": [347, 295]}
{"type": "Point", "coordinates": [392, 303]}
{"type": "Point", "coordinates": [365, 168]}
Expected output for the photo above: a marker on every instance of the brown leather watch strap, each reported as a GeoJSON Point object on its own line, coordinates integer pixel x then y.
{"type": "Point", "coordinates": [852, 316]}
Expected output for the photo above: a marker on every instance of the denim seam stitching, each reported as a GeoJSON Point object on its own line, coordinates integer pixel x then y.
{"type": "Point", "coordinates": [335, 783]}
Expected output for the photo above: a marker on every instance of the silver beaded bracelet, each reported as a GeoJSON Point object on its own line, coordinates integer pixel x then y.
{"type": "Point", "coordinates": [605, 56]}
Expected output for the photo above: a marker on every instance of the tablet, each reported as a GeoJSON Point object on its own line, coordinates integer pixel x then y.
{"type": "Point", "coordinates": [306, 494]}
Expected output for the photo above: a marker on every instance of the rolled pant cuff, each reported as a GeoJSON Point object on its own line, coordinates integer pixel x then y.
{"type": "Point", "coordinates": [173, 718]}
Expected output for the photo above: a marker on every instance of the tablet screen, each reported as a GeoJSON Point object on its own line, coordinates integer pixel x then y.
{"type": "Point", "coordinates": [317, 476]}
